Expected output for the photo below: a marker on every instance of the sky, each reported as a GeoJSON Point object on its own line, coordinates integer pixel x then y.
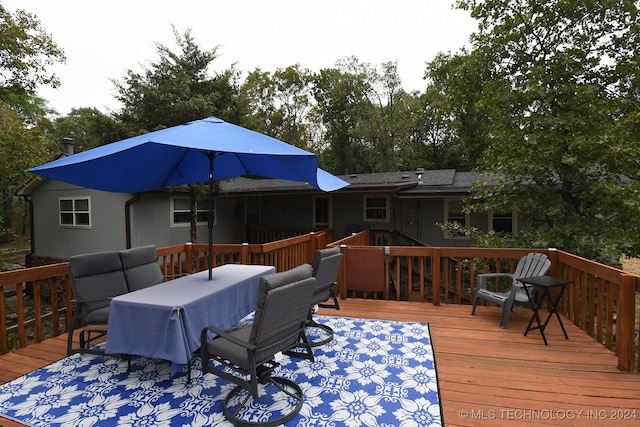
{"type": "Point", "coordinates": [102, 40]}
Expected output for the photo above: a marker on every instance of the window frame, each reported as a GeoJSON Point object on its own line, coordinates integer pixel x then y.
{"type": "Point", "coordinates": [514, 222]}
{"type": "Point", "coordinates": [74, 212]}
{"type": "Point", "coordinates": [366, 208]}
{"type": "Point", "coordinates": [187, 223]}
{"type": "Point", "coordinates": [467, 217]}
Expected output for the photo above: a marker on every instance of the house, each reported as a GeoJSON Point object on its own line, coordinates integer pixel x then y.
{"type": "Point", "coordinates": [69, 220]}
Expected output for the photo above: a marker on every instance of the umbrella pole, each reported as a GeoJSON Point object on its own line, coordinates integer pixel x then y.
{"type": "Point", "coordinates": [211, 199]}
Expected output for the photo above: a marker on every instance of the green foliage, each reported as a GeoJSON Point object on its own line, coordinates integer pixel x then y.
{"type": "Point", "coordinates": [279, 104]}
{"type": "Point", "coordinates": [456, 96]}
{"type": "Point", "coordinates": [27, 52]}
{"type": "Point", "coordinates": [20, 147]}
{"type": "Point", "coordinates": [364, 114]}
{"type": "Point", "coordinates": [561, 101]}
{"type": "Point", "coordinates": [545, 102]}
{"type": "Point", "coordinates": [176, 89]}
{"type": "Point", "coordinates": [480, 238]}
{"type": "Point", "coordinates": [88, 127]}
{"type": "Point", "coordinates": [341, 104]}
{"type": "Point", "coordinates": [6, 235]}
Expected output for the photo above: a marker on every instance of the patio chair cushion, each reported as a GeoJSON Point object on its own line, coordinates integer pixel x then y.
{"type": "Point", "coordinates": [325, 265]}
{"type": "Point", "coordinates": [140, 267]}
{"type": "Point", "coordinates": [96, 278]}
{"type": "Point", "coordinates": [275, 289]}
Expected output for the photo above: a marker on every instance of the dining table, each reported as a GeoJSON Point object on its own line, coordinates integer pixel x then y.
{"type": "Point", "coordinates": [165, 321]}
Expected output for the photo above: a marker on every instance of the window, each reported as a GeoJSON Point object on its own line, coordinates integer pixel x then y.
{"type": "Point", "coordinates": [376, 208]}
{"type": "Point", "coordinates": [454, 212]}
{"type": "Point", "coordinates": [75, 212]}
{"type": "Point", "coordinates": [181, 211]}
{"type": "Point", "coordinates": [503, 222]}
{"type": "Point", "coordinates": [321, 211]}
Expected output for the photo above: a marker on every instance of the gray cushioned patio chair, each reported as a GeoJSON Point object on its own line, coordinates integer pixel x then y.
{"type": "Point", "coordinates": [531, 265]}
{"type": "Point", "coordinates": [247, 356]}
{"type": "Point", "coordinates": [325, 265]}
{"type": "Point", "coordinates": [95, 279]}
{"type": "Point", "coordinates": [140, 267]}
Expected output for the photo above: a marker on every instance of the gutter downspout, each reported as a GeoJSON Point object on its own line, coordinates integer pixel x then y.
{"type": "Point", "coordinates": [127, 217]}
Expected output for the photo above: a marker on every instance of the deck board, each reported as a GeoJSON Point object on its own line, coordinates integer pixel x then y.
{"type": "Point", "coordinates": [498, 377]}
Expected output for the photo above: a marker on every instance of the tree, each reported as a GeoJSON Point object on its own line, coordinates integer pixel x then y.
{"type": "Point", "coordinates": [20, 149]}
{"type": "Point", "coordinates": [388, 127]}
{"type": "Point", "coordinates": [26, 53]}
{"type": "Point", "coordinates": [341, 105]}
{"type": "Point", "coordinates": [365, 116]}
{"type": "Point", "coordinates": [279, 104]}
{"type": "Point", "coordinates": [458, 108]}
{"type": "Point", "coordinates": [176, 89]}
{"type": "Point", "coordinates": [562, 99]}
{"type": "Point", "coordinates": [88, 127]}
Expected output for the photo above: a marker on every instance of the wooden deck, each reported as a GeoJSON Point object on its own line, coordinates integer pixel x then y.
{"type": "Point", "coordinates": [488, 376]}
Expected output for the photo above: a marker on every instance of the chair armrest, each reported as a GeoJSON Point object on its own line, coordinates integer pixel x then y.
{"type": "Point", "coordinates": [481, 283]}
{"type": "Point", "coordinates": [204, 337]}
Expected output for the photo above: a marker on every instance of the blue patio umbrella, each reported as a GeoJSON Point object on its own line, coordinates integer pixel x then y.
{"type": "Point", "coordinates": [198, 151]}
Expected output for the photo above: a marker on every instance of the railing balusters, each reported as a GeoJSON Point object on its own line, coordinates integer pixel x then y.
{"type": "Point", "coordinates": [37, 310]}
{"type": "Point", "coordinates": [423, 274]}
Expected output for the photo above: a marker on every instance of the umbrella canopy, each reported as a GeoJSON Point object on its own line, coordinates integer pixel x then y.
{"type": "Point", "coordinates": [182, 154]}
{"type": "Point", "coordinates": [199, 151]}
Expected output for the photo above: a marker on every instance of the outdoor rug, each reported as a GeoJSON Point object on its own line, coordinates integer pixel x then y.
{"type": "Point", "coordinates": [374, 373]}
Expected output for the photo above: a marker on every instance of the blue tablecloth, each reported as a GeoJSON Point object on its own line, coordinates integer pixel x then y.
{"type": "Point", "coordinates": [165, 321]}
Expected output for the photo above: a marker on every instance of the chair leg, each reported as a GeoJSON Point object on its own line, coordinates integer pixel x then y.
{"type": "Point", "coordinates": [335, 301]}
{"type": "Point", "coordinates": [475, 302]}
{"type": "Point", "coordinates": [75, 322]}
{"type": "Point", "coordinates": [506, 310]}
{"type": "Point", "coordinates": [311, 323]}
{"type": "Point", "coordinates": [239, 399]}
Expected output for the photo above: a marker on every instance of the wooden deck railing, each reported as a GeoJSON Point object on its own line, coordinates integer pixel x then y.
{"type": "Point", "coordinates": [35, 303]}
{"type": "Point", "coordinates": [603, 301]}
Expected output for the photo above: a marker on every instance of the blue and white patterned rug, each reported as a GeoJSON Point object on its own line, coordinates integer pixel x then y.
{"type": "Point", "coordinates": [374, 373]}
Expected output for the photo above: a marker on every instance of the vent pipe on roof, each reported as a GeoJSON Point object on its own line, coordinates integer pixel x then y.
{"type": "Point", "coordinates": [67, 146]}
{"type": "Point", "coordinates": [419, 173]}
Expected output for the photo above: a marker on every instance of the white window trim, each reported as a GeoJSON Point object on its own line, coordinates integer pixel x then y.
{"type": "Point", "coordinates": [375, 196]}
{"type": "Point", "coordinates": [467, 217]}
{"type": "Point", "coordinates": [73, 212]}
{"type": "Point", "coordinates": [187, 223]}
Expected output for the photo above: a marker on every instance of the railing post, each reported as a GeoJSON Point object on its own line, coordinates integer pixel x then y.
{"type": "Point", "coordinates": [435, 267]}
{"type": "Point", "coordinates": [188, 251]}
{"type": "Point", "coordinates": [552, 253]}
{"type": "Point", "coordinates": [245, 255]}
{"type": "Point", "coordinates": [341, 284]}
{"type": "Point", "coordinates": [312, 247]}
{"type": "Point", "coordinates": [625, 323]}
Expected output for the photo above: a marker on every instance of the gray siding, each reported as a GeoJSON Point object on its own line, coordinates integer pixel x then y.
{"type": "Point", "coordinates": [413, 213]}
{"type": "Point", "coordinates": [348, 214]}
{"type": "Point", "coordinates": [151, 222]}
{"type": "Point", "coordinates": [107, 231]}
